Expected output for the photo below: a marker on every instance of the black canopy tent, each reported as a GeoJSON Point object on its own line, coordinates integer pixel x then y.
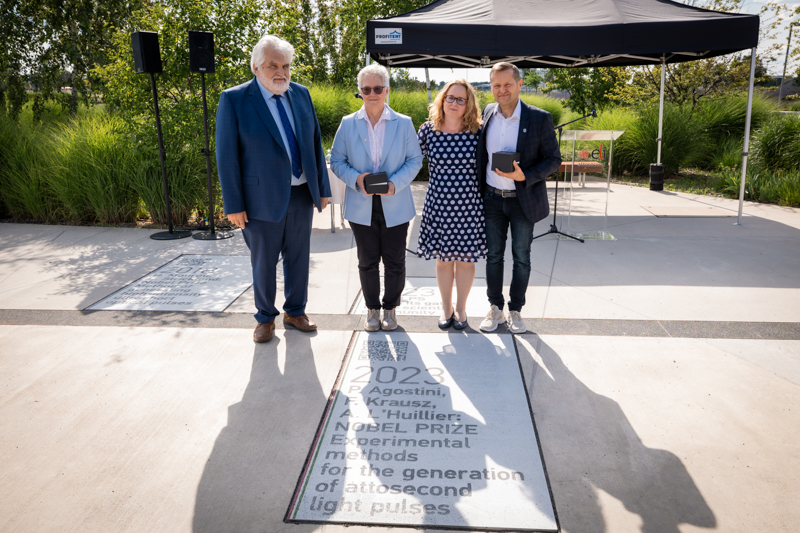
{"type": "Point", "coordinates": [563, 33]}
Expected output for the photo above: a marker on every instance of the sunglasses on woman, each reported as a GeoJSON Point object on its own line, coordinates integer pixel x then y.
{"type": "Point", "coordinates": [450, 99]}
{"type": "Point", "coordinates": [366, 91]}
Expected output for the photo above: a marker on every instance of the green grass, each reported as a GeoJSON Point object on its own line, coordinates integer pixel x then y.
{"type": "Point", "coordinates": [91, 169]}
{"type": "Point", "coordinates": [782, 188]}
{"type": "Point", "coordinates": [694, 181]}
{"type": "Point", "coordinates": [774, 187]}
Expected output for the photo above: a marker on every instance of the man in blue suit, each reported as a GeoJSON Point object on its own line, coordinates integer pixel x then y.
{"type": "Point", "coordinates": [272, 170]}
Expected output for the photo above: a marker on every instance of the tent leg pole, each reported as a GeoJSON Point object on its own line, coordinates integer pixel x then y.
{"type": "Point", "coordinates": [747, 134]}
{"type": "Point", "coordinates": [368, 58]}
{"type": "Point", "coordinates": [428, 84]}
{"type": "Point", "coordinates": [661, 111]}
{"type": "Point", "coordinates": [785, 62]}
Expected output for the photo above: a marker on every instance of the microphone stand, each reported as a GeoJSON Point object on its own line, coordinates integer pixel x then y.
{"type": "Point", "coordinates": [553, 227]}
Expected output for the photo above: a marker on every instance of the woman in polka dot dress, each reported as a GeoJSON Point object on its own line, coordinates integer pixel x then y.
{"type": "Point", "coordinates": [453, 229]}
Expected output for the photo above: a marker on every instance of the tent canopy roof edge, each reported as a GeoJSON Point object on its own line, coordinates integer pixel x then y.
{"type": "Point", "coordinates": [568, 33]}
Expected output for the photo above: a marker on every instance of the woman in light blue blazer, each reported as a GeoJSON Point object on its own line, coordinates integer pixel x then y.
{"type": "Point", "coordinates": [376, 139]}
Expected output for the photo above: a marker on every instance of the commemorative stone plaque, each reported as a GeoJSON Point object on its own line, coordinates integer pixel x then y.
{"type": "Point", "coordinates": [421, 298]}
{"type": "Point", "coordinates": [188, 283]}
{"type": "Point", "coordinates": [427, 429]}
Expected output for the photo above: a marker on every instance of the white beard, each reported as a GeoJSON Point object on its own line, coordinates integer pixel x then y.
{"type": "Point", "coordinates": [278, 88]}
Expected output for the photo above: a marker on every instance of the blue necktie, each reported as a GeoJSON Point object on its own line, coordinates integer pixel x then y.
{"type": "Point", "coordinates": [297, 165]}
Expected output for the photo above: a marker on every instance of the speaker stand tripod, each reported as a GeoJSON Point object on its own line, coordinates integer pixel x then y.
{"type": "Point", "coordinates": [553, 228]}
{"type": "Point", "coordinates": [211, 234]}
{"type": "Point", "coordinates": [171, 234]}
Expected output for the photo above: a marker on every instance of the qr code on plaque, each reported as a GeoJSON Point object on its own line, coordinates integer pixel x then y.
{"type": "Point", "coordinates": [383, 351]}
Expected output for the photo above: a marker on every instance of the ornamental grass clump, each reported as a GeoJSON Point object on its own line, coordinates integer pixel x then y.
{"type": "Point", "coordinates": [723, 122]}
{"type": "Point", "coordinates": [91, 163]}
{"type": "Point", "coordinates": [684, 141]}
{"type": "Point", "coordinates": [551, 105]}
{"type": "Point", "coordinates": [413, 104]}
{"type": "Point", "coordinates": [331, 103]}
{"type": "Point", "coordinates": [186, 176]}
{"type": "Point", "coordinates": [24, 188]}
{"type": "Point", "coordinates": [777, 145]}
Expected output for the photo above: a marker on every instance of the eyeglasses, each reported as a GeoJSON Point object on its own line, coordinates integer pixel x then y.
{"type": "Point", "coordinates": [450, 99]}
{"type": "Point", "coordinates": [368, 90]}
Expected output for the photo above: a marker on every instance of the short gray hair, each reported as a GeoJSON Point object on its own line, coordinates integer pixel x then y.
{"type": "Point", "coordinates": [374, 69]}
{"type": "Point", "coordinates": [269, 43]}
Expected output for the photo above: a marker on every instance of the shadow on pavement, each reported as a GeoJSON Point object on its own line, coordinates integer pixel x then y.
{"type": "Point", "coordinates": [253, 467]}
{"type": "Point", "coordinates": [589, 444]}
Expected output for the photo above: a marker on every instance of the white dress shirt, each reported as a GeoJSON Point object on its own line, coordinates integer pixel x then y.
{"type": "Point", "coordinates": [376, 135]}
{"type": "Point", "coordinates": [501, 136]}
{"type": "Point", "coordinates": [273, 108]}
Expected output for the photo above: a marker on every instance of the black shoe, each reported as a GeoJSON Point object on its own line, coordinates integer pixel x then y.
{"type": "Point", "coordinates": [444, 324]}
{"type": "Point", "coordinates": [460, 325]}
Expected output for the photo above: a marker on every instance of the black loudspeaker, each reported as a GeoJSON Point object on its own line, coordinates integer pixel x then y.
{"type": "Point", "coordinates": [201, 51]}
{"type": "Point", "coordinates": [146, 54]}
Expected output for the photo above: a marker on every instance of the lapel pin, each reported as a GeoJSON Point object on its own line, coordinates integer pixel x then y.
{"type": "Point", "coordinates": [524, 130]}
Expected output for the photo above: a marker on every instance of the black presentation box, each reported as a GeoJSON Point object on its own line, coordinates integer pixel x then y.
{"type": "Point", "coordinates": [377, 183]}
{"type": "Point", "coordinates": [503, 161]}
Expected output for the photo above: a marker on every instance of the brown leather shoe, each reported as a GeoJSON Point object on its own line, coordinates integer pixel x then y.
{"type": "Point", "coordinates": [264, 332]}
{"type": "Point", "coordinates": [302, 322]}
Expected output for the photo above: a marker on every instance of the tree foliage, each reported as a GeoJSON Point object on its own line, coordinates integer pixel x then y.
{"type": "Point", "coordinates": [52, 44]}
{"type": "Point", "coordinates": [686, 83]}
{"type": "Point", "coordinates": [533, 79]}
{"type": "Point", "coordinates": [588, 87]}
{"type": "Point", "coordinates": [694, 81]}
{"type": "Point", "coordinates": [237, 26]}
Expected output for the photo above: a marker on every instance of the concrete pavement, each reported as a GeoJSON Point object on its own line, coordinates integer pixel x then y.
{"type": "Point", "coordinates": [663, 371]}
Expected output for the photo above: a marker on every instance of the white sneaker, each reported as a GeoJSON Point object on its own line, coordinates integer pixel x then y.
{"type": "Point", "coordinates": [515, 322]}
{"type": "Point", "coordinates": [389, 322]}
{"type": "Point", "coordinates": [373, 322]}
{"type": "Point", "coordinates": [493, 318]}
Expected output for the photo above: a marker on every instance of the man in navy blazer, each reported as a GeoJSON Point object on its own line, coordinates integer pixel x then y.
{"type": "Point", "coordinates": [517, 199]}
{"type": "Point", "coordinates": [272, 170]}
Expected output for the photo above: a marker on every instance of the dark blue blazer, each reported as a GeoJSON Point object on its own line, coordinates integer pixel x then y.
{"type": "Point", "coordinates": [539, 157]}
{"type": "Point", "coordinates": [255, 171]}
